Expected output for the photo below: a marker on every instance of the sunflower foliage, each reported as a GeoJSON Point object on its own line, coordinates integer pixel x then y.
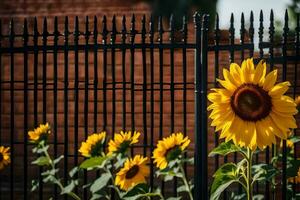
{"type": "Point", "coordinates": [119, 174]}
{"type": "Point", "coordinates": [252, 112]}
{"type": "Point", "coordinates": [170, 157]}
{"type": "Point", "coordinates": [50, 170]}
{"type": "Point", "coordinates": [236, 173]}
{"type": "Point", "coordinates": [292, 163]}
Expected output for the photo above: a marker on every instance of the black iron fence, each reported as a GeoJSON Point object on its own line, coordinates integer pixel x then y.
{"type": "Point", "coordinates": [109, 76]}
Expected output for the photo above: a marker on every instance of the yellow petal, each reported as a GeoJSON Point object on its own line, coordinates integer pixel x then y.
{"type": "Point", "coordinates": [279, 89]}
{"type": "Point", "coordinates": [260, 72]}
{"type": "Point", "coordinates": [270, 80]}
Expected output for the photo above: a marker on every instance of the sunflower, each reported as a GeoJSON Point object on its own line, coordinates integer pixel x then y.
{"type": "Point", "coordinates": [4, 156]}
{"type": "Point", "coordinates": [133, 172]}
{"type": "Point", "coordinates": [122, 141]}
{"type": "Point", "coordinates": [40, 133]}
{"type": "Point", "coordinates": [93, 146]}
{"type": "Point", "coordinates": [251, 110]}
{"type": "Point", "coordinates": [295, 179]}
{"type": "Point", "coordinates": [169, 149]}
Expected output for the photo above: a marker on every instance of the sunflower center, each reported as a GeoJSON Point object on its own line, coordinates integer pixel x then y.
{"type": "Point", "coordinates": [96, 149]}
{"type": "Point", "coordinates": [132, 172]}
{"type": "Point", "coordinates": [251, 102]}
{"type": "Point", "coordinates": [1, 157]}
{"type": "Point", "coordinates": [173, 153]}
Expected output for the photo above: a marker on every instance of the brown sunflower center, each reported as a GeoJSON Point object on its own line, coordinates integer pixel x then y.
{"type": "Point", "coordinates": [1, 157]}
{"type": "Point", "coordinates": [251, 102]}
{"type": "Point", "coordinates": [132, 172]}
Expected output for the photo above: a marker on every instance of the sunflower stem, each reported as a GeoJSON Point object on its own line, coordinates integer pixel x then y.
{"type": "Point", "coordinates": [188, 189]}
{"type": "Point", "coordinates": [249, 174]}
{"type": "Point", "coordinates": [57, 182]}
{"type": "Point", "coordinates": [113, 181]}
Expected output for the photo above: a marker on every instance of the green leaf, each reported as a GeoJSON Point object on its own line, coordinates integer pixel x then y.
{"type": "Point", "coordinates": [100, 183]}
{"type": "Point", "coordinates": [223, 178]}
{"type": "Point", "coordinates": [169, 174]}
{"type": "Point", "coordinates": [236, 196]}
{"type": "Point", "coordinates": [224, 148]}
{"type": "Point", "coordinates": [258, 197]}
{"type": "Point", "coordinates": [228, 169]}
{"type": "Point", "coordinates": [41, 161]}
{"type": "Point", "coordinates": [263, 172]}
{"type": "Point", "coordinates": [57, 160]}
{"type": "Point", "coordinates": [295, 139]}
{"type": "Point", "coordinates": [292, 168]}
{"type": "Point", "coordinates": [141, 188]}
{"type": "Point", "coordinates": [34, 185]}
{"type": "Point", "coordinates": [49, 178]}
{"type": "Point", "coordinates": [120, 161]}
{"type": "Point", "coordinates": [220, 185]}
{"type": "Point", "coordinates": [188, 160]}
{"type": "Point", "coordinates": [50, 172]}
{"type": "Point", "coordinates": [69, 188]}
{"type": "Point", "coordinates": [174, 198]}
{"type": "Point", "coordinates": [182, 188]}
{"type": "Point", "coordinates": [92, 162]}
{"type": "Point", "coordinates": [96, 196]}
{"type": "Point", "coordinates": [73, 171]}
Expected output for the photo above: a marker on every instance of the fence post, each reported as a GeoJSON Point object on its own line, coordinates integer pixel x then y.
{"type": "Point", "coordinates": [203, 141]}
{"type": "Point", "coordinates": [201, 186]}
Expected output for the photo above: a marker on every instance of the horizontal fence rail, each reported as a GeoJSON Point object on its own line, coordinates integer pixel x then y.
{"type": "Point", "coordinates": [85, 75]}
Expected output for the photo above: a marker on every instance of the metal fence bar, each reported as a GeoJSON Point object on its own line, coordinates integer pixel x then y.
{"type": "Point", "coordinates": [86, 86]}
{"type": "Point", "coordinates": [55, 86]}
{"type": "Point", "coordinates": [198, 188]}
{"type": "Point", "coordinates": [44, 67]}
{"type": "Point", "coordinates": [216, 75]}
{"type": "Point", "coordinates": [297, 38]}
{"type": "Point", "coordinates": [161, 85]}
{"type": "Point", "coordinates": [35, 94]}
{"type": "Point", "coordinates": [66, 99]}
{"type": "Point", "coordinates": [76, 95]}
{"type": "Point", "coordinates": [271, 56]}
{"type": "Point", "coordinates": [144, 64]}
{"type": "Point", "coordinates": [132, 74]}
{"type": "Point", "coordinates": [104, 42]}
{"type": "Point", "coordinates": [25, 56]}
{"type": "Point", "coordinates": [151, 39]}
{"type": "Point", "coordinates": [203, 118]}
{"type": "Point", "coordinates": [113, 73]}
{"type": "Point", "coordinates": [124, 31]}
{"type": "Point", "coordinates": [231, 60]}
{"type": "Point", "coordinates": [251, 34]}
{"type": "Point", "coordinates": [172, 98]}
{"type": "Point", "coordinates": [12, 108]}
{"type": "Point", "coordinates": [284, 71]}
{"type": "Point", "coordinates": [1, 74]}
{"type": "Point", "coordinates": [184, 79]}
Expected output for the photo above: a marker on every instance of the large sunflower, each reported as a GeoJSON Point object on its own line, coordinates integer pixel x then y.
{"type": "Point", "coordinates": [93, 146]}
{"type": "Point", "coordinates": [4, 156]}
{"type": "Point", "coordinates": [122, 141]}
{"type": "Point", "coordinates": [251, 110]}
{"type": "Point", "coordinates": [169, 149]}
{"type": "Point", "coordinates": [40, 133]}
{"type": "Point", "coordinates": [134, 172]}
